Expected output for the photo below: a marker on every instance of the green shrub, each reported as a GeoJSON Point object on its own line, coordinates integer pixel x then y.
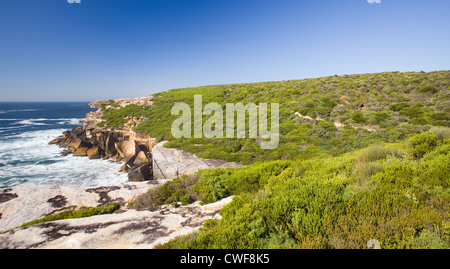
{"type": "Point", "coordinates": [397, 173]}
{"type": "Point", "coordinates": [365, 171]}
{"type": "Point", "coordinates": [434, 167]}
{"type": "Point", "coordinates": [381, 213]}
{"type": "Point", "coordinates": [429, 240]}
{"type": "Point", "coordinates": [118, 116]}
{"type": "Point", "coordinates": [83, 212]}
{"type": "Point", "coordinates": [419, 121]}
{"type": "Point", "coordinates": [358, 117]}
{"type": "Point", "coordinates": [220, 183]}
{"type": "Point", "coordinates": [412, 112]}
{"type": "Point", "coordinates": [399, 106]}
{"type": "Point", "coordinates": [311, 204]}
{"type": "Point", "coordinates": [379, 117]}
{"type": "Point", "coordinates": [176, 190]}
{"type": "Point", "coordinates": [423, 143]}
{"type": "Point", "coordinates": [429, 89]}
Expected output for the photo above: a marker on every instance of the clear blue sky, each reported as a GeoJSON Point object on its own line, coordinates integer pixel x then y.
{"type": "Point", "coordinates": [51, 50]}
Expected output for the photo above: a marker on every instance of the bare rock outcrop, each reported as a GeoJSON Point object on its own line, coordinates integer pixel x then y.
{"type": "Point", "coordinates": [169, 163]}
{"type": "Point", "coordinates": [124, 229]}
{"type": "Point", "coordinates": [27, 202]}
{"type": "Point", "coordinates": [141, 101]}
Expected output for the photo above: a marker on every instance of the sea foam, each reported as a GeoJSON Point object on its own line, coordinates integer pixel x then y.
{"type": "Point", "coordinates": [28, 158]}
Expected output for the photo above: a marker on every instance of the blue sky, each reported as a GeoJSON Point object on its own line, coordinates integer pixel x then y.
{"type": "Point", "coordinates": [51, 50]}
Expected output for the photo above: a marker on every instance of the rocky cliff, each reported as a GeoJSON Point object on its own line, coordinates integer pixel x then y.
{"type": "Point", "coordinates": [120, 144]}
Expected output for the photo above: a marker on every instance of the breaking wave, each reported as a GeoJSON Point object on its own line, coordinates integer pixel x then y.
{"type": "Point", "coordinates": [28, 158]}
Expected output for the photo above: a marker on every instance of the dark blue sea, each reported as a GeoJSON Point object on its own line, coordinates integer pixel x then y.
{"type": "Point", "coordinates": [26, 156]}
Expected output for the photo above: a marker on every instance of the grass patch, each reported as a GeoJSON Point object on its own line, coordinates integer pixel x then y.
{"type": "Point", "coordinates": [83, 212]}
{"type": "Point", "coordinates": [375, 153]}
{"type": "Point", "coordinates": [441, 133]}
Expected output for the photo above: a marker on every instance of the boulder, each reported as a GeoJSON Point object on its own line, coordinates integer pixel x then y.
{"type": "Point", "coordinates": [56, 141]}
{"type": "Point", "coordinates": [81, 152]}
{"type": "Point", "coordinates": [93, 153]}
{"type": "Point", "coordinates": [142, 173]}
{"type": "Point", "coordinates": [127, 149]}
{"type": "Point", "coordinates": [141, 159]}
{"type": "Point", "coordinates": [81, 144]}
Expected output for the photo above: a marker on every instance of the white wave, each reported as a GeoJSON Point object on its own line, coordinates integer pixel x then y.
{"type": "Point", "coordinates": [73, 121]}
{"type": "Point", "coordinates": [10, 127]}
{"type": "Point", "coordinates": [62, 121]}
{"type": "Point", "coordinates": [30, 122]}
{"type": "Point", "coordinates": [28, 157]}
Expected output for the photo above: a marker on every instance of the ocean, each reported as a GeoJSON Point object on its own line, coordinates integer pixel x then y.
{"type": "Point", "coordinates": [26, 156]}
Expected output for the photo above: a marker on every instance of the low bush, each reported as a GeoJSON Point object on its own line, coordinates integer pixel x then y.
{"type": "Point", "coordinates": [83, 212]}
{"type": "Point", "coordinates": [441, 133]}
{"type": "Point", "coordinates": [423, 143]}
{"type": "Point", "coordinates": [375, 153]}
{"type": "Point", "coordinates": [429, 89]}
{"type": "Point", "coordinates": [358, 117]}
{"type": "Point", "coordinates": [177, 190]}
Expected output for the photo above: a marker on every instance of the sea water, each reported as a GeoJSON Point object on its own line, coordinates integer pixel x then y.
{"type": "Point", "coordinates": [27, 157]}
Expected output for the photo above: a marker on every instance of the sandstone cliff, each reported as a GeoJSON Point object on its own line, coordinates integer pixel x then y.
{"type": "Point", "coordinates": [120, 144]}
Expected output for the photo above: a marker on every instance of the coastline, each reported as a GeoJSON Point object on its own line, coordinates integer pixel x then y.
{"type": "Point", "coordinates": [127, 227]}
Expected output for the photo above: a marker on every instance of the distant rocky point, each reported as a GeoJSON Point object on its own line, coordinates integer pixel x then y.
{"type": "Point", "coordinates": [141, 101]}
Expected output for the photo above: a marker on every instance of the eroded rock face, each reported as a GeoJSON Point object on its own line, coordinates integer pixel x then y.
{"type": "Point", "coordinates": [120, 144]}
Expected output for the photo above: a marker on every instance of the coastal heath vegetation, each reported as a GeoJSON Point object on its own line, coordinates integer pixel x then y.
{"type": "Point", "coordinates": [360, 157]}
{"type": "Point", "coordinates": [328, 202]}
{"type": "Point", "coordinates": [325, 116]}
